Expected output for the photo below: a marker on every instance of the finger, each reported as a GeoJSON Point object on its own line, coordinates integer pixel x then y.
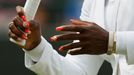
{"type": "Point", "coordinates": [72, 28]}
{"type": "Point", "coordinates": [74, 45]}
{"type": "Point", "coordinates": [69, 37]}
{"type": "Point", "coordinates": [80, 51]}
{"type": "Point", "coordinates": [34, 25]}
{"type": "Point", "coordinates": [20, 11]}
{"type": "Point", "coordinates": [78, 22]}
{"type": "Point", "coordinates": [23, 26]}
{"type": "Point", "coordinates": [13, 36]}
{"type": "Point", "coordinates": [65, 37]}
{"type": "Point", "coordinates": [18, 22]}
{"type": "Point", "coordinates": [75, 52]}
{"type": "Point", "coordinates": [26, 24]}
{"type": "Point", "coordinates": [17, 32]}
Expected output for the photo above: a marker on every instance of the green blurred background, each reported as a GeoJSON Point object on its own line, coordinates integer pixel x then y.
{"type": "Point", "coordinates": [51, 13]}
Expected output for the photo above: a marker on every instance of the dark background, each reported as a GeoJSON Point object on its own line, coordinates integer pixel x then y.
{"type": "Point", "coordinates": [52, 13]}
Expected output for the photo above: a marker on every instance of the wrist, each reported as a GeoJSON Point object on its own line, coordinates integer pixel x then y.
{"type": "Point", "coordinates": [32, 44]}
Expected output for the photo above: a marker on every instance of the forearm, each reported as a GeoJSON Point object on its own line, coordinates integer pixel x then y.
{"type": "Point", "coordinates": [49, 62]}
{"type": "Point", "coordinates": [43, 55]}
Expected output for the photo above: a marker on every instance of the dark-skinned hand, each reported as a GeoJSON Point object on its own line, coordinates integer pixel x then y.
{"type": "Point", "coordinates": [92, 38]}
{"type": "Point", "coordinates": [33, 37]}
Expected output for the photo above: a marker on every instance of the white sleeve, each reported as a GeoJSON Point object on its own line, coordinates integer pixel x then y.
{"type": "Point", "coordinates": [86, 10]}
{"type": "Point", "coordinates": [125, 45]}
{"type": "Point", "coordinates": [49, 62]}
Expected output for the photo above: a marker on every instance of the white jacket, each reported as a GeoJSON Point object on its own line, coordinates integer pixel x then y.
{"type": "Point", "coordinates": [112, 15]}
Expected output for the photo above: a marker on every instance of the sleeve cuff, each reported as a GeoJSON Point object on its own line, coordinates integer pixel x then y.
{"type": "Point", "coordinates": [121, 43]}
{"type": "Point", "coordinates": [130, 47]}
{"type": "Point", "coordinates": [36, 53]}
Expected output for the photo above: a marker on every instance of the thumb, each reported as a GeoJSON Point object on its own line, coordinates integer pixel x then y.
{"type": "Point", "coordinates": [33, 25]}
{"type": "Point", "coordinates": [21, 14]}
{"type": "Point", "coordinates": [20, 11]}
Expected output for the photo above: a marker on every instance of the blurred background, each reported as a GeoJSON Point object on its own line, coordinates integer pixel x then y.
{"type": "Point", "coordinates": [51, 13]}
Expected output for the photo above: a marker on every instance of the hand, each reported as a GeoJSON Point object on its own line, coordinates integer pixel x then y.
{"type": "Point", "coordinates": [92, 38]}
{"type": "Point", "coordinates": [33, 37]}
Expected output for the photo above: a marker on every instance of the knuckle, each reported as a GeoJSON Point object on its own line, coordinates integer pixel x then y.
{"type": "Point", "coordinates": [70, 46]}
{"type": "Point", "coordinates": [9, 33]}
{"type": "Point", "coordinates": [59, 37]}
{"type": "Point", "coordinates": [76, 27]}
{"type": "Point", "coordinates": [15, 18]}
{"type": "Point", "coordinates": [90, 27]}
{"type": "Point", "coordinates": [13, 36]}
{"type": "Point", "coordinates": [12, 28]}
{"type": "Point", "coordinates": [10, 25]}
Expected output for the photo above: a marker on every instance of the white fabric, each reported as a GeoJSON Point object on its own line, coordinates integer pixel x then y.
{"type": "Point", "coordinates": [51, 63]}
{"type": "Point", "coordinates": [35, 54]}
{"type": "Point", "coordinates": [112, 15]}
{"type": "Point", "coordinates": [118, 16]}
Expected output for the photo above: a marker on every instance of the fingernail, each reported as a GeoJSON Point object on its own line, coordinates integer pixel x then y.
{"type": "Point", "coordinates": [54, 38]}
{"type": "Point", "coordinates": [26, 24]}
{"type": "Point", "coordinates": [23, 18]}
{"type": "Point", "coordinates": [61, 48]}
{"type": "Point", "coordinates": [24, 36]}
{"type": "Point", "coordinates": [59, 28]}
{"type": "Point", "coordinates": [27, 30]}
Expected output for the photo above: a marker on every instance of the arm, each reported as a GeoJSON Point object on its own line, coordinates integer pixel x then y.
{"type": "Point", "coordinates": [85, 11]}
{"type": "Point", "coordinates": [123, 46]}
{"type": "Point", "coordinates": [40, 56]}
{"type": "Point", "coordinates": [49, 62]}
